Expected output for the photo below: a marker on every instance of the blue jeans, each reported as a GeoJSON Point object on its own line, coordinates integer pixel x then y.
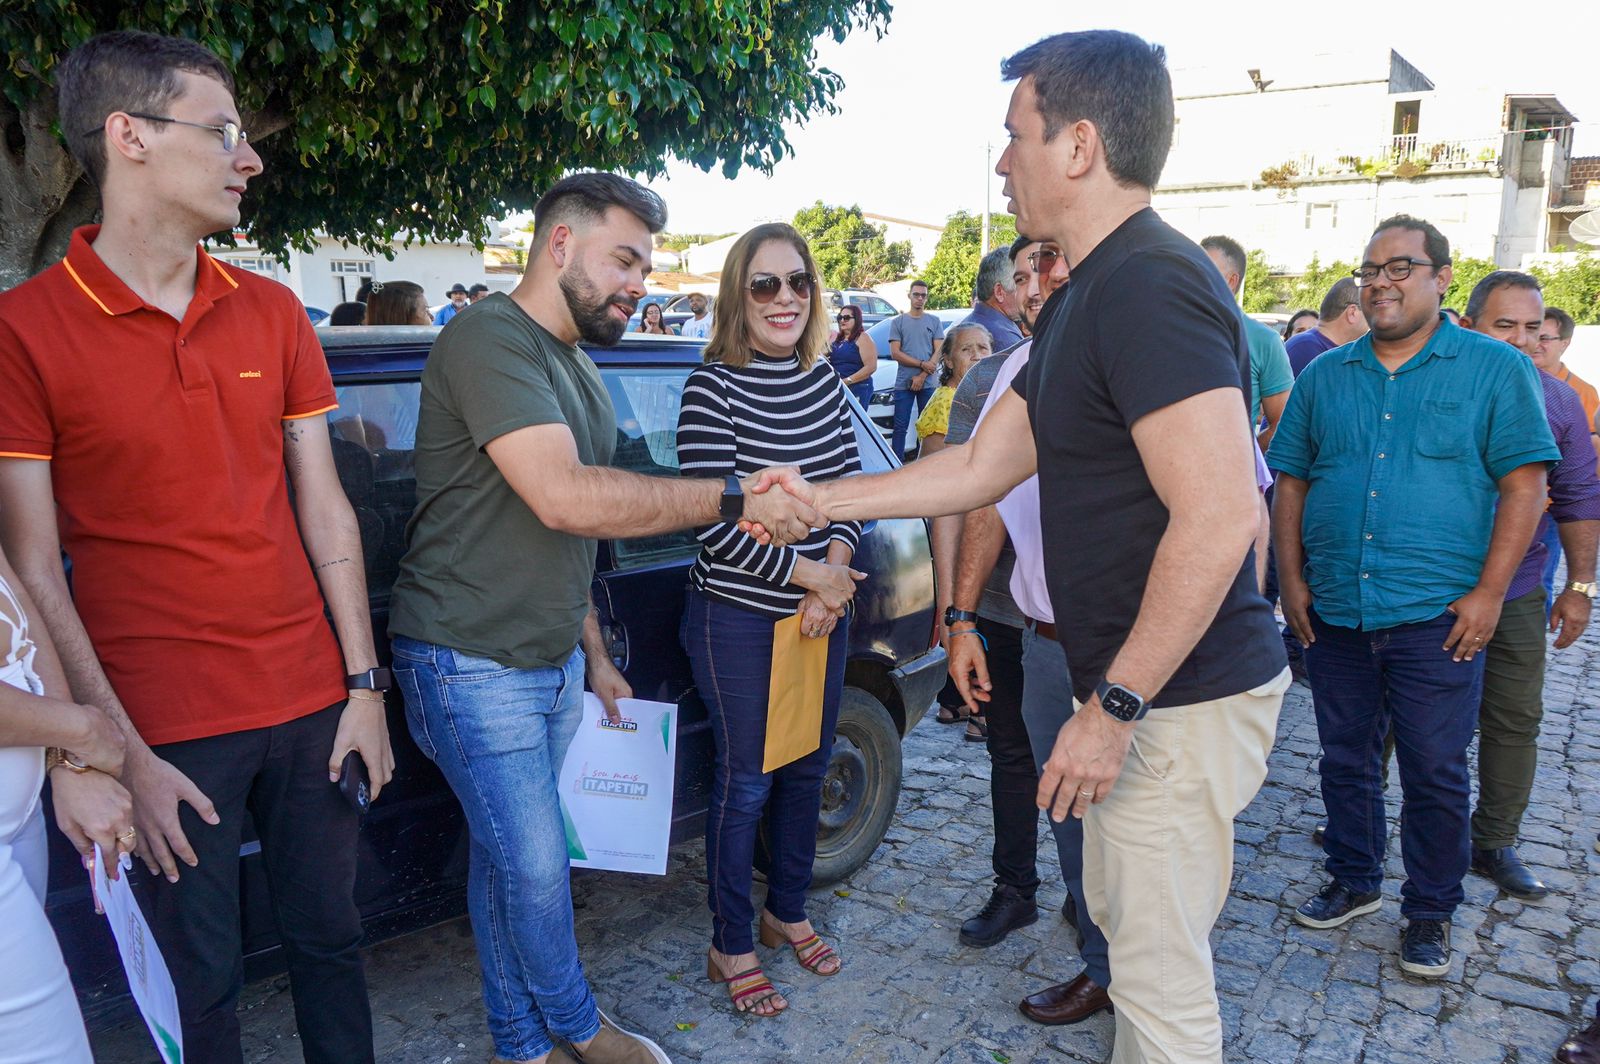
{"type": "Point", "coordinates": [904, 399]}
{"type": "Point", "coordinates": [730, 652]}
{"type": "Point", "coordinates": [1364, 683]}
{"type": "Point", "coordinates": [1551, 535]}
{"type": "Point", "coordinates": [1046, 707]}
{"type": "Point", "coordinates": [499, 735]}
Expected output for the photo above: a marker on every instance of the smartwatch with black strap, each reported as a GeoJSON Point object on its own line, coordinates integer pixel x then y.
{"type": "Point", "coordinates": [732, 499]}
{"type": "Point", "coordinates": [1121, 703]}
{"type": "Point", "coordinates": [371, 680]}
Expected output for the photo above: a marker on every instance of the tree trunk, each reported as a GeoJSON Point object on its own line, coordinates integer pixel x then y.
{"type": "Point", "coordinates": [44, 194]}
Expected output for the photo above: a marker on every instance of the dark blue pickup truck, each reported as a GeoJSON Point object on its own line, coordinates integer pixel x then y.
{"type": "Point", "coordinates": [414, 842]}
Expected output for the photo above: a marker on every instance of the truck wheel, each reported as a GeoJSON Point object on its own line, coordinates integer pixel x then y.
{"type": "Point", "coordinates": [859, 790]}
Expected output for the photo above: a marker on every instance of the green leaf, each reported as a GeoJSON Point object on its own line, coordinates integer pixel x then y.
{"type": "Point", "coordinates": [321, 38]}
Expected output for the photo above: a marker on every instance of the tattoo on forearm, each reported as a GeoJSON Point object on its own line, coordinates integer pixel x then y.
{"type": "Point", "coordinates": [336, 561]}
{"type": "Point", "coordinates": [292, 435]}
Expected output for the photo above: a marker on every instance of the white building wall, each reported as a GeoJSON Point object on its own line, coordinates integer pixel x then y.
{"type": "Point", "coordinates": [316, 276]}
{"type": "Point", "coordinates": [1333, 219]}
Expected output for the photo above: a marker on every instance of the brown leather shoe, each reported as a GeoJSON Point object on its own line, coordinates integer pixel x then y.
{"type": "Point", "coordinates": [1583, 1047]}
{"type": "Point", "coordinates": [1067, 1003]}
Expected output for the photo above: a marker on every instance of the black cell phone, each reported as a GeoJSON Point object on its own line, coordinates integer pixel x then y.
{"type": "Point", "coordinates": [353, 783]}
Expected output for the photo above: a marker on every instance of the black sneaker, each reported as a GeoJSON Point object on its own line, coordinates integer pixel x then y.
{"type": "Point", "coordinates": [1006, 911]}
{"type": "Point", "coordinates": [1336, 905]}
{"type": "Point", "coordinates": [1425, 948]}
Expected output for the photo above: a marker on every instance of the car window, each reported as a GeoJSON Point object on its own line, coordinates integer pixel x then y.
{"type": "Point", "coordinates": [374, 439]}
{"type": "Point", "coordinates": [647, 402]}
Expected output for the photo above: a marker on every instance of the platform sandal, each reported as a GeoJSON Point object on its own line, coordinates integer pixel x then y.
{"type": "Point", "coordinates": [748, 989]}
{"type": "Point", "coordinates": [810, 951]}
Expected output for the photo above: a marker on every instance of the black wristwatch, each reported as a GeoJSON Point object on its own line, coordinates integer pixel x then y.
{"type": "Point", "coordinates": [371, 680]}
{"type": "Point", "coordinates": [732, 499]}
{"type": "Point", "coordinates": [953, 615]}
{"type": "Point", "coordinates": [1120, 702]}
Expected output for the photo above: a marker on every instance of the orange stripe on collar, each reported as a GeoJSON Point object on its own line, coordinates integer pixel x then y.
{"type": "Point", "coordinates": [86, 289]}
{"type": "Point", "coordinates": [218, 266]}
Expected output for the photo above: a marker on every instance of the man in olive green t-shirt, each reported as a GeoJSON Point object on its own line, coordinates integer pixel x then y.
{"type": "Point", "coordinates": [491, 621]}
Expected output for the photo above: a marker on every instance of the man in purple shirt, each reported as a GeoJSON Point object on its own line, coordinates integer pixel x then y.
{"type": "Point", "coordinates": [1508, 306]}
{"type": "Point", "coordinates": [1339, 322]}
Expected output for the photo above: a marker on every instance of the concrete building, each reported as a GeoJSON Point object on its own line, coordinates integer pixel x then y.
{"type": "Point", "coordinates": [1303, 160]}
{"type": "Point", "coordinates": [330, 273]}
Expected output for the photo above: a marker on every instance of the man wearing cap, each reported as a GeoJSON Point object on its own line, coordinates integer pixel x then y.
{"type": "Point", "coordinates": [458, 303]}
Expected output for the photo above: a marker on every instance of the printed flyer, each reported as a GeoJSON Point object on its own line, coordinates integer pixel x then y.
{"type": "Point", "coordinates": [616, 786]}
{"type": "Point", "coordinates": [147, 971]}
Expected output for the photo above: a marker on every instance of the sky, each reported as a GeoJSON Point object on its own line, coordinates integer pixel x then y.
{"type": "Point", "coordinates": [920, 105]}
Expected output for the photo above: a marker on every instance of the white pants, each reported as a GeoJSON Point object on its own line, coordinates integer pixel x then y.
{"type": "Point", "coordinates": [39, 1018]}
{"type": "Point", "coordinates": [1158, 861]}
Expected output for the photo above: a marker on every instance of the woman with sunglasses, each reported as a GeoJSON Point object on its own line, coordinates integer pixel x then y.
{"type": "Point", "coordinates": [650, 320]}
{"type": "Point", "coordinates": [764, 398]}
{"type": "Point", "coordinates": [853, 356]}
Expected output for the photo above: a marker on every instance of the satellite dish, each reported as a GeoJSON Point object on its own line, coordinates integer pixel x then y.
{"type": "Point", "coordinates": [1586, 228]}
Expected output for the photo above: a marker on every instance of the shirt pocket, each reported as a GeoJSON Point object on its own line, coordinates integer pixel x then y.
{"type": "Point", "coordinates": [1444, 428]}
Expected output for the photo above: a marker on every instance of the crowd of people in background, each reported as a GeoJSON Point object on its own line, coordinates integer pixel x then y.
{"type": "Point", "coordinates": [1092, 442]}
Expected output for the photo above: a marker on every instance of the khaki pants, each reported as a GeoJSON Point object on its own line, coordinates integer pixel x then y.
{"type": "Point", "coordinates": [1158, 861]}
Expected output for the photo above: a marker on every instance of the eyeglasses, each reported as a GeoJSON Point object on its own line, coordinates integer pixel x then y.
{"type": "Point", "coordinates": [1549, 339]}
{"type": "Point", "coordinates": [765, 287]}
{"type": "Point", "coordinates": [847, 317]}
{"type": "Point", "coordinates": [1395, 269]}
{"type": "Point", "coordinates": [919, 295]}
{"type": "Point", "coordinates": [232, 136]}
{"type": "Point", "coordinates": [1044, 260]}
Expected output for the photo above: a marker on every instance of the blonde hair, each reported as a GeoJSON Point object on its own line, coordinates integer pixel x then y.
{"type": "Point", "coordinates": [729, 342]}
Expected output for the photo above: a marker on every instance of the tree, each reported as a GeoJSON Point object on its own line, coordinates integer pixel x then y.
{"type": "Point", "coordinates": [425, 117]}
{"type": "Point", "coordinates": [679, 241]}
{"type": "Point", "coordinates": [953, 269]}
{"type": "Point", "coordinates": [1573, 286]}
{"type": "Point", "coordinates": [1465, 275]}
{"type": "Point", "coordinates": [850, 251]}
{"type": "Point", "coordinates": [1262, 291]}
{"type": "Point", "coordinates": [1310, 287]}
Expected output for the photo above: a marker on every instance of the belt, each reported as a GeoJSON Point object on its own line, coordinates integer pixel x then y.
{"type": "Point", "coordinates": [1043, 628]}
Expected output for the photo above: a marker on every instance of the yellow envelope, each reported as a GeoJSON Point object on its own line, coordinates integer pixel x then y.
{"type": "Point", "coordinates": [794, 702]}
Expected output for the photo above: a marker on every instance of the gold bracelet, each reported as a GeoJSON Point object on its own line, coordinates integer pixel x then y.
{"type": "Point", "coordinates": [55, 757]}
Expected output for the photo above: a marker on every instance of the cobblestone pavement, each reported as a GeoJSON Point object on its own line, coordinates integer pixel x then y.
{"type": "Point", "coordinates": [1523, 974]}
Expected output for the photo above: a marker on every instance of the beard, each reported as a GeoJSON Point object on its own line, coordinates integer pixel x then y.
{"type": "Point", "coordinates": [590, 310]}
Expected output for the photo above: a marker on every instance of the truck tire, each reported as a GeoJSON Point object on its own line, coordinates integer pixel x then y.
{"type": "Point", "coordinates": [860, 790]}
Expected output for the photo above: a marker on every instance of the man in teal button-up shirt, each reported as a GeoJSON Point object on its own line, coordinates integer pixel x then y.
{"type": "Point", "coordinates": [1412, 475]}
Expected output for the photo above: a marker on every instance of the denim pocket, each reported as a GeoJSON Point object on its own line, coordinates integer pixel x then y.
{"type": "Point", "coordinates": [416, 719]}
{"type": "Point", "coordinates": [469, 668]}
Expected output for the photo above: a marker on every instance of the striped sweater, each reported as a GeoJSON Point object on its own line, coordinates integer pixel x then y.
{"type": "Point", "coordinates": [739, 422]}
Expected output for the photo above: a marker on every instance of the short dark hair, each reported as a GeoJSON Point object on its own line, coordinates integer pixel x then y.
{"type": "Point", "coordinates": [1452, 313]}
{"type": "Point", "coordinates": [1563, 320]}
{"type": "Point", "coordinates": [1018, 244]}
{"type": "Point", "coordinates": [1434, 243]}
{"type": "Point", "coordinates": [1288, 326]}
{"type": "Point", "coordinates": [125, 70]}
{"type": "Point", "coordinates": [1344, 293]}
{"type": "Point", "coordinates": [1113, 79]}
{"type": "Point", "coordinates": [1494, 281]}
{"type": "Point", "coordinates": [1231, 250]}
{"type": "Point", "coordinates": [993, 269]}
{"type": "Point", "coordinates": [475, 289]}
{"type": "Point", "coordinates": [916, 282]}
{"type": "Point", "coordinates": [588, 195]}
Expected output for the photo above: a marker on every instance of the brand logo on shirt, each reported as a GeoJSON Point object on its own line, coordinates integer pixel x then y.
{"type": "Point", "coordinates": [249, 373]}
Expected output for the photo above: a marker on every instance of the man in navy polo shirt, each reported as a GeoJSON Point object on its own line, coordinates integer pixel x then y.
{"type": "Point", "coordinates": [1509, 306]}
{"type": "Point", "coordinates": [994, 300]}
{"type": "Point", "coordinates": [1411, 474]}
{"type": "Point", "coordinates": [1339, 322]}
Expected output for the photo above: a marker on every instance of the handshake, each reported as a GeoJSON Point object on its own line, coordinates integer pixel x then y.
{"type": "Point", "coordinates": [782, 517]}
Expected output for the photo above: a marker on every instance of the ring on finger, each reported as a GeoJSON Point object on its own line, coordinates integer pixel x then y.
{"type": "Point", "coordinates": [126, 835]}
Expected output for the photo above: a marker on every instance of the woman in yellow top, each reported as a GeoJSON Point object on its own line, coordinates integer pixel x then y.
{"type": "Point", "coordinates": [962, 349]}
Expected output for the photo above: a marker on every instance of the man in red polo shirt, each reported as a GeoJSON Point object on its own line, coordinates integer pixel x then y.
{"type": "Point", "coordinates": [153, 398]}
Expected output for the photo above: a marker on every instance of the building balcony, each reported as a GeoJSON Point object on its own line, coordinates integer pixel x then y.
{"type": "Point", "coordinates": [1406, 155]}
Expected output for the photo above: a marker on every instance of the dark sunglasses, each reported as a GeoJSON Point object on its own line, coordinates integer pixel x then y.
{"type": "Point", "coordinates": [765, 287]}
{"type": "Point", "coordinates": [847, 317]}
